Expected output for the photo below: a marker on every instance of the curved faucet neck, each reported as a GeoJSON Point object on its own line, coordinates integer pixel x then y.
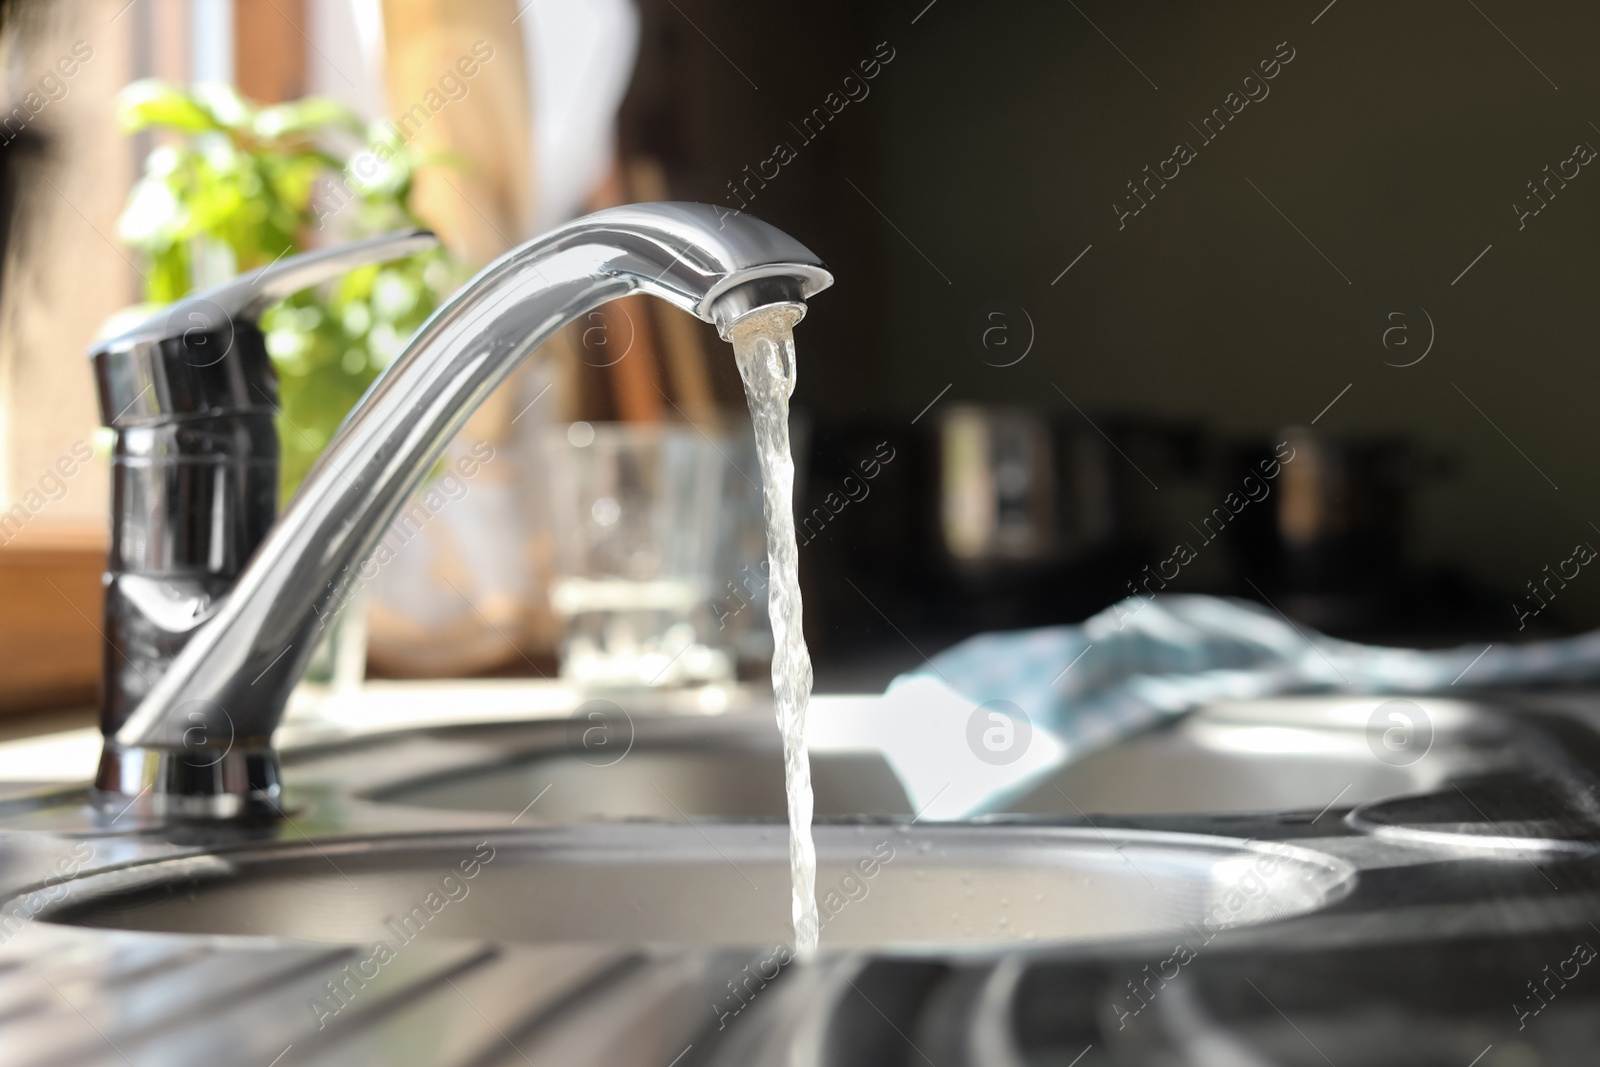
{"type": "Point", "coordinates": [224, 695]}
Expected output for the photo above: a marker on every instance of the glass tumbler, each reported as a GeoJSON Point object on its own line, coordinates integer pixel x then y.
{"type": "Point", "coordinates": [635, 509]}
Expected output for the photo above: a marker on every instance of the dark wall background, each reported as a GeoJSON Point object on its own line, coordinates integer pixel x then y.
{"type": "Point", "coordinates": [993, 145]}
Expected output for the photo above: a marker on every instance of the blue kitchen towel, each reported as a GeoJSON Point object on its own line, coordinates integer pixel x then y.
{"type": "Point", "coordinates": [1145, 660]}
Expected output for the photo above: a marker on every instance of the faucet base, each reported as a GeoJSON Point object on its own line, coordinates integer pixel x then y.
{"type": "Point", "coordinates": [188, 784]}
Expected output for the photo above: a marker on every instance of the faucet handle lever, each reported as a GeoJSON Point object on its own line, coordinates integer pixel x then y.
{"type": "Point", "coordinates": [244, 298]}
{"type": "Point", "coordinates": [248, 295]}
{"type": "Point", "coordinates": [175, 362]}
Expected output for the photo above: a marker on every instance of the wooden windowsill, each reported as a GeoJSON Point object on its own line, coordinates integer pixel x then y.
{"type": "Point", "coordinates": [50, 643]}
{"type": "Point", "coordinates": [58, 537]}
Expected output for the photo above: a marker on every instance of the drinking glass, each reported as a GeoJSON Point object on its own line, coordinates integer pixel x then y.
{"type": "Point", "coordinates": [636, 513]}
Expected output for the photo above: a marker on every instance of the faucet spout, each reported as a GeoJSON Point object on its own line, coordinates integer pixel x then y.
{"type": "Point", "coordinates": [199, 743]}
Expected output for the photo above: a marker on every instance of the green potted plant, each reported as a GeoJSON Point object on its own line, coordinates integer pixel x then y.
{"type": "Point", "coordinates": [232, 186]}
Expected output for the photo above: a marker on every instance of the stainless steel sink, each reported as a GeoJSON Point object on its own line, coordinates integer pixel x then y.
{"type": "Point", "coordinates": [662, 785]}
{"type": "Point", "coordinates": [672, 768]}
{"type": "Point", "coordinates": [1289, 754]}
{"type": "Point", "coordinates": [709, 884]}
{"type": "Point", "coordinates": [543, 901]}
{"type": "Point", "coordinates": [727, 771]}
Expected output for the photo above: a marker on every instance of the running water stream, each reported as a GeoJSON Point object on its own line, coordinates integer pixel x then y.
{"type": "Point", "coordinates": [763, 345]}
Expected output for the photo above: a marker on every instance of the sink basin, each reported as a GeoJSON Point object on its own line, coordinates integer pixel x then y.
{"type": "Point", "coordinates": [1288, 754]}
{"type": "Point", "coordinates": [717, 884]}
{"type": "Point", "coordinates": [657, 767]}
{"type": "Point", "coordinates": [1291, 754]}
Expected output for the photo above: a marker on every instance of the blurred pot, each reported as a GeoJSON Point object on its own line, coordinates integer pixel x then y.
{"type": "Point", "coordinates": [1332, 537]}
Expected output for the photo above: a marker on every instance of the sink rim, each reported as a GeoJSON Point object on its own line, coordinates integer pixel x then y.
{"type": "Point", "coordinates": [1332, 878]}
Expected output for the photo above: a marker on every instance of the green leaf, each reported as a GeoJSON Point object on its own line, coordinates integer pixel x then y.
{"type": "Point", "coordinates": [153, 214]}
{"type": "Point", "coordinates": [225, 104]}
{"type": "Point", "coordinates": [310, 115]}
{"type": "Point", "coordinates": [149, 103]}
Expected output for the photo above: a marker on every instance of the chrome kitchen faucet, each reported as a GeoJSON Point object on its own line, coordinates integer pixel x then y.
{"type": "Point", "coordinates": [206, 640]}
